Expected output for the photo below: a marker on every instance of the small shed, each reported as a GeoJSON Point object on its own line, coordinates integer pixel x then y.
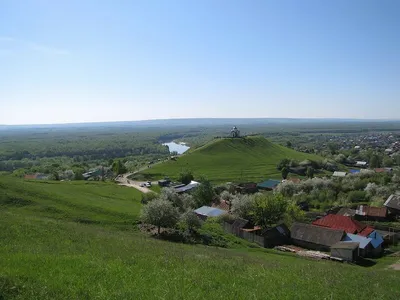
{"type": "Point", "coordinates": [189, 187]}
{"type": "Point", "coordinates": [276, 236]}
{"type": "Point", "coordinates": [268, 185]}
{"type": "Point", "coordinates": [339, 174]}
{"type": "Point", "coordinates": [164, 182]}
{"type": "Point", "coordinates": [361, 164]}
{"type": "Point", "coordinates": [347, 251]}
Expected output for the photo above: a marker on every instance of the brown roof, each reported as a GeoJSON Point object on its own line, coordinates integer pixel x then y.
{"type": "Point", "coordinates": [294, 180]}
{"type": "Point", "coordinates": [316, 234]}
{"type": "Point", "coordinates": [371, 211]}
{"type": "Point", "coordinates": [30, 176]}
{"type": "Point", "coordinates": [224, 205]}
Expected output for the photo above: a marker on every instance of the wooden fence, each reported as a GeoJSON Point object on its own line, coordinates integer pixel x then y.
{"type": "Point", "coordinates": [249, 236]}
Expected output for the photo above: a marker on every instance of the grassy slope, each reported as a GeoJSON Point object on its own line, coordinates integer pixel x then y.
{"type": "Point", "coordinates": [251, 158]}
{"type": "Point", "coordinates": [46, 255]}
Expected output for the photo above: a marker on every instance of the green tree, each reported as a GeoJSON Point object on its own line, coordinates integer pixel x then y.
{"type": "Point", "coordinates": [285, 172]}
{"type": "Point", "coordinates": [310, 172]}
{"type": "Point", "coordinates": [388, 162]}
{"type": "Point", "coordinates": [204, 193]}
{"type": "Point", "coordinates": [268, 209]}
{"type": "Point", "coordinates": [375, 161]}
{"type": "Point", "coordinates": [283, 163]}
{"type": "Point", "coordinates": [243, 206]}
{"type": "Point", "coordinates": [160, 213]}
{"type": "Point", "coordinates": [289, 144]}
{"type": "Point", "coordinates": [190, 220]}
{"type": "Point", "coordinates": [118, 167]}
{"type": "Point", "coordinates": [185, 176]}
{"type": "Point", "coordinates": [293, 213]}
{"type": "Point", "coordinates": [78, 173]}
{"type": "Point", "coordinates": [333, 147]}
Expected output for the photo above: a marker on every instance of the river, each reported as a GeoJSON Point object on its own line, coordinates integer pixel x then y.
{"type": "Point", "coordinates": [180, 148]}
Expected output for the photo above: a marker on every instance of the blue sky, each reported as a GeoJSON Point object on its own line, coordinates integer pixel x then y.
{"type": "Point", "coordinates": [94, 60]}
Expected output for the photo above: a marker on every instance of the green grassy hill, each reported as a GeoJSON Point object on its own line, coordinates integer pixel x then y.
{"type": "Point", "coordinates": [250, 158]}
{"type": "Point", "coordinates": [77, 241]}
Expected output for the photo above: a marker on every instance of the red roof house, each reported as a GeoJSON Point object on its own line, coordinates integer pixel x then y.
{"type": "Point", "coordinates": [344, 223]}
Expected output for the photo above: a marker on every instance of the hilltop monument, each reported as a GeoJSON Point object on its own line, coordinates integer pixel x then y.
{"type": "Point", "coordinates": [235, 133]}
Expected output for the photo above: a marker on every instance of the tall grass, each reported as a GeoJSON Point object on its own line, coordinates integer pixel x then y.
{"type": "Point", "coordinates": [48, 254]}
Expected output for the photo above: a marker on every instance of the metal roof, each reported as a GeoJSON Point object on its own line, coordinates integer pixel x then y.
{"type": "Point", "coordinates": [364, 241]}
{"type": "Point", "coordinates": [210, 211]}
{"type": "Point", "coordinates": [377, 239]}
{"type": "Point", "coordinates": [339, 174]}
{"type": "Point", "coordinates": [393, 202]}
{"type": "Point", "coordinates": [346, 245]}
{"type": "Point", "coordinates": [187, 187]}
{"type": "Point", "coordinates": [354, 171]}
{"type": "Point", "coordinates": [371, 211]}
{"type": "Point", "coordinates": [268, 184]}
{"type": "Point", "coordinates": [342, 222]}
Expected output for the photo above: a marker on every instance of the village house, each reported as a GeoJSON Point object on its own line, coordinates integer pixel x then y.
{"type": "Point", "coordinates": [371, 213]}
{"type": "Point", "coordinates": [186, 188]}
{"type": "Point", "coordinates": [353, 227]}
{"type": "Point", "coordinates": [315, 237]}
{"type": "Point", "coordinates": [365, 245]}
{"type": "Point", "coordinates": [268, 185]}
{"type": "Point", "coordinates": [339, 174]}
{"type": "Point", "coordinates": [361, 164]}
{"type": "Point", "coordinates": [393, 204]}
{"type": "Point", "coordinates": [276, 236]}
{"type": "Point", "coordinates": [207, 211]}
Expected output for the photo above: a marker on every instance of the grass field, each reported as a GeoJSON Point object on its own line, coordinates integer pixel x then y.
{"type": "Point", "coordinates": [251, 159]}
{"type": "Point", "coordinates": [47, 252]}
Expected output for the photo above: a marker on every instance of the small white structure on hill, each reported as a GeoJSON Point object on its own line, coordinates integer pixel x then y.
{"type": "Point", "coordinates": [235, 132]}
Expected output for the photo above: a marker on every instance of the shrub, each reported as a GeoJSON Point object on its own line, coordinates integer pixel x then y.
{"type": "Point", "coordinates": [356, 196]}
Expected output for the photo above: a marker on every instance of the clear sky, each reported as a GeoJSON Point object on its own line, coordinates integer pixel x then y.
{"type": "Point", "coordinates": [97, 60]}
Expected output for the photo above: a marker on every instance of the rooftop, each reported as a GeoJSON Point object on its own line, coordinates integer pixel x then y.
{"type": "Point", "coordinates": [210, 211]}
{"type": "Point", "coordinates": [346, 245]}
{"type": "Point", "coordinates": [315, 234]}
{"type": "Point", "coordinates": [343, 223]}
{"type": "Point", "coordinates": [393, 202]}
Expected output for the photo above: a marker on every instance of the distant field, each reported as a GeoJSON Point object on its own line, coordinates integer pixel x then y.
{"type": "Point", "coordinates": [251, 158]}
{"type": "Point", "coordinates": [48, 252]}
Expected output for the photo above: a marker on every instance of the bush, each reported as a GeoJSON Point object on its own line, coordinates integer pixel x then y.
{"type": "Point", "coordinates": [160, 213]}
{"type": "Point", "coordinates": [186, 176]}
{"type": "Point", "coordinates": [356, 196]}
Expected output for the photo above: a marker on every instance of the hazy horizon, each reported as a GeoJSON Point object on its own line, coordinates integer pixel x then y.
{"type": "Point", "coordinates": [249, 120]}
{"type": "Point", "coordinates": [102, 61]}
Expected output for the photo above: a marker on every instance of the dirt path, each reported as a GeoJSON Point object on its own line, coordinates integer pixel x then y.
{"type": "Point", "coordinates": [123, 180]}
{"type": "Point", "coordinates": [395, 266]}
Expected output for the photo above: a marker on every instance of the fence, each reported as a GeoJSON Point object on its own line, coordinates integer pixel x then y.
{"type": "Point", "coordinates": [249, 236]}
